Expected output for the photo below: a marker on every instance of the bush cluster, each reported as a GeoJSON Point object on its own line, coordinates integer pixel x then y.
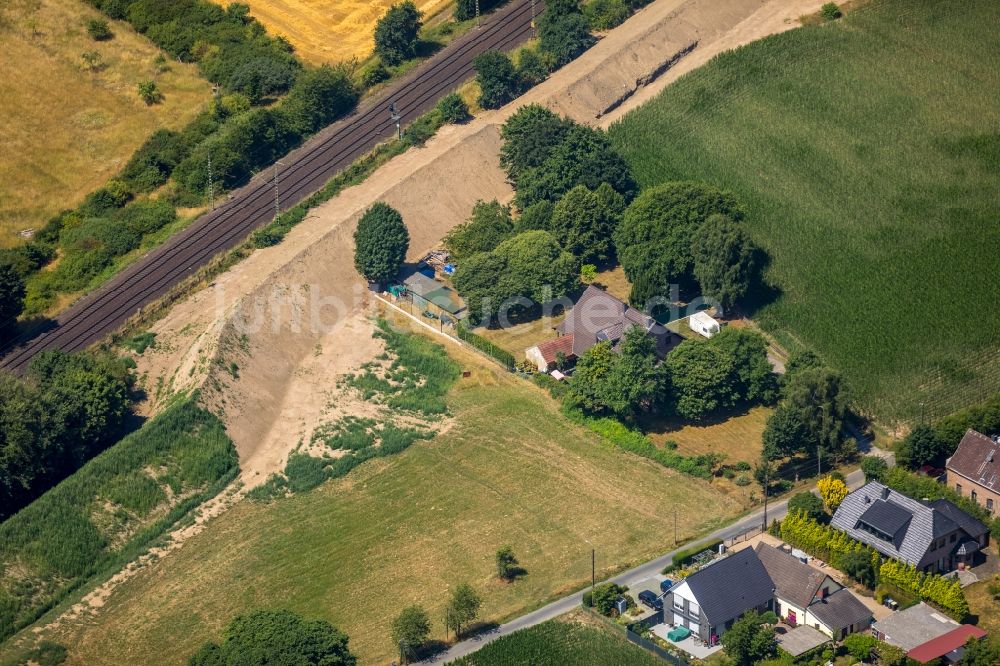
{"type": "Point", "coordinates": [502, 356]}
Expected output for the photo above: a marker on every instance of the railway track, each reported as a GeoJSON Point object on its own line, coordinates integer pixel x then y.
{"type": "Point", "coordinates": [303, 171]}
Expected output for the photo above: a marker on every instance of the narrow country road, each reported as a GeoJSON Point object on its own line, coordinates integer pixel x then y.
{"type": "Point", "coordinates": [303, 171]}
{"type": "Point", "coordinates": [778, 510]}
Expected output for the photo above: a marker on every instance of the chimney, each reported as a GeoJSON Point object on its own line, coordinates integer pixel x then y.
{"type": "Point", "coordinates": [885, 493]}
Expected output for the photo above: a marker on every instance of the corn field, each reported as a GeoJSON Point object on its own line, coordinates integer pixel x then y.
{"type": "Point", "coordinates": [867, 152]}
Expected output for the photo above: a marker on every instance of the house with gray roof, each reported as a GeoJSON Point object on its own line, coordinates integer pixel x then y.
{"type": "Point", "coordinates": [805, 596]}
{"type": "Point", "coordinates": [598, 316]}
{"type": "Point", "coordinates": [932, 536]}
{"type": "Point", "coordinates": [710, 600]}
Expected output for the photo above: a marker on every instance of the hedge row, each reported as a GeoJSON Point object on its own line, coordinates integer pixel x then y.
{"type": "Point", "coordinates": [635, 442]}
{"type": "Point", "coordinates": [684, 557]}
{"type": "Point", "coordinates": [943, 592]}
{"type": "Point", "coordinates": [501, 356]}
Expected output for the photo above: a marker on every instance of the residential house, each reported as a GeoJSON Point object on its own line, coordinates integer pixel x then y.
{"type": "Point", "coordinates": [598, 316]}
{"type": "Point", "coordinates": [710, 600]}
{"type": "Point", "coordinates": [932, 536]}
{"type": "Point", "coordinates": [546, 355]}
{"type": "Point", "coordinates": [925, 634]}
{"type": "Point", "coordinates": [974, 470]}
{"type": "Point", "coordinates": [806, 596]}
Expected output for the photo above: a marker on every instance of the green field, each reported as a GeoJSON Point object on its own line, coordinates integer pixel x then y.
{"type": "Point", "coordinates": [561, 642]}
{"type": "Point", "coordinates": [507, 469]}
{"type": "Point", "coordinates": [867, 151]}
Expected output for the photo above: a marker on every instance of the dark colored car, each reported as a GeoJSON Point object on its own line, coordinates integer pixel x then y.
{"type": "Point", "coordinates": [649, 598]}
{"type": "Point", "coordinates": [665, 585]}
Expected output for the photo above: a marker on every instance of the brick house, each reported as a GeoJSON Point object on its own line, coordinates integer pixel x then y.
{"type": "Point", "coordinates": [973, 471]}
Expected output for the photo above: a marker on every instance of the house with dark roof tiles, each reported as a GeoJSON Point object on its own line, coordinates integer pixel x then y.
{"type": "Point", "coordinates": [973, 471]}
{"type": "Point", "coordinates": [710, 600]}
{"type": "Point", "coordinates": [931, 536]}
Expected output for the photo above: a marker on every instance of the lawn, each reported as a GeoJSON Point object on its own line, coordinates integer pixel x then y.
{"type": "Point", "coordinates": [984, 607]}
{"type": "Point", "coordinates": [330, 31]}
{"type": "Point", "coordinates": [509, 469]}
{"type": "Point", "coordinates": [65, 130]}
{"type": "Point", "coordinates": [867, 152]}
{"type": "Point", "coordinates": [738, 437]}
{"type": "Point", "coordinates": [566, 641]}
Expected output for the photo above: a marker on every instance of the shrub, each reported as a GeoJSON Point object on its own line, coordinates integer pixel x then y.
{"type": "Point", "coordinates": [12, 291]}
{"type": "Point", "coordinates": [830, 11]}
{"type": "Point", "coordinates": [146, 216]}
{"type": "Point", "coordinates": [860, 646]}
{"type": "Point", "coordinates": [466, 9]}
{"type": "Point", "coordinates": [149, 92]}
{"type": "Point", "coordinates": [99, 30]}
{"type": "Point", "coordinates": [563, 31]}
{"type": "Point", "coordinates": [375, 74]}
{"type": "Point", "coordinates": [320, 96]}
{"type": "Point", "coordinates": [453, 109]}
{"type": "Point", "coordinates": [605, 14]}
{"type": "Point", "coordinates": [531, 67]}
{"type": "Point", "coordinates": [874, 468]}
{"type": "Point", "coordinates": [489, 225]}
{"type": "Point", "coordinates": [810, 505]}
{"type": "Point", "coordinates": [833, 491]}
{"type": "Point", "coordinates": [151, 165]}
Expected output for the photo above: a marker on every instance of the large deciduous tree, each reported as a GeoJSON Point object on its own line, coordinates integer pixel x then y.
{"type": "Point", "coordinates": [410, 630]}
{"type": "Point", "coordinates": [529, 137]}
{"type": "Point", "coordinates": [276, 637]}
{"type": "Point", "coordinates": [584, 220]}
{"type": "Point", "coordinates": [12, 292]}
{"type": "Point", "coordinates": [497, 77]}
{"type": "Point", "coordinates": [622, 383]}
{"type": "Point", "coordinates": [701, 379]}
{"type": "Point", "coordinates": [749, 640]}
{"type": "Point", "coordinates": [489, 225]}
{"type": "Point", "coordinates": [654, 239]}
{"type": "Point", "coordinates": [397, 32]}
{"type": "Point", "coordinates": [380, 243]}
{"type": "Point", "coordinates": [462, 608]}
{"type": "Point", "coordinates": [723, 260]}
{"type": "Point", "coordinates": [563, 30]}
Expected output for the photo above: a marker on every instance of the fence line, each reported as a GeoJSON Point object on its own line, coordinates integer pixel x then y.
{"type": "Point", "coordinates": [636, 639]}
{"type": "Point", "coordinates": [745, 535]}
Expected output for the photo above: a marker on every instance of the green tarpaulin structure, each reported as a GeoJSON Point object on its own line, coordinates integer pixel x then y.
{"type": "Point", "coordinates": [678, 633]}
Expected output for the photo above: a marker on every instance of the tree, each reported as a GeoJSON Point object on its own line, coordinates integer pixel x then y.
{"type": "Point", "coordinates": [12, 291]}
{"type": "Point", "coordinates": [605, 595]}
{"type": "Point", "coordinates": [921, 447]}
{"type": "Point", "coordinates": [753, 376]}
{"type": "Point", "coordinates": [809, 504]}
{"type": "Point", "coordinates": [529, 137]}
{"type": "Point", "coordinates": [497, 79]}
{"type": "Point", "coordinates": [858, 564]}
{"type": "Point", "coordinates": [563, 30]}
{"type": "Point", "coordinates": [530, 265]}
{"type": "Point", "coordinates": [874, 468]}
{"type": "Point", "coordinates": [489, 225]}
{"type": "Point", "coordinates": [833, 491]}
{"type": "Point", "coordinates": [623, 383]}
{"type": "Point", "coordinates": [507, 567]}
{"type": "Point", "coordinates": [701, 378]}
{"type": "Point", "coordinates": [785, 433]}
{"type": "Point", "coordinates": [584, 220]}
{"type": "Point", "coordinates": [466, 9]}
{"type": "Point", "coordinates": [319, 97]}
{"type": "Point", "coordinates": [985, 652]}
{"type": "Point", "coordinates": [723, 260]}
{"type": "Point", "coordinates": [380, 243]}
{"type": "Point", "coordinates": [396, 33]}
{"type": "Point", "coordinates": [749, 640]}
{"type": "Point", "coordinates": [276, 637]}
{"type": "Point", "coordinates": [92, 60]}
{"type": "Point", "coordinates": [819, 397]}
{"type": "Point", "coordinates": [410, 630]}
{"type": "Point", "coordinates": [453, 109]}
{"type": "Point", "coordinates": [535, 217]}
{"type": "Point", "coordinates": [531, 68]}
{"type": "Point", "coordinates": [149, 92]}
{"type": "Point", "coordinates": [654, 238]}
{"type": "Point", "coordinates": [585, 156]}
{"type": "Point", "coordinates": [860, 646]}
{"type": "Point", "coordinates": [462, 608]}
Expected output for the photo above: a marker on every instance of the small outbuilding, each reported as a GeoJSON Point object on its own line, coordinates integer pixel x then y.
{"type": "Point", "coordinates": [703, 324]}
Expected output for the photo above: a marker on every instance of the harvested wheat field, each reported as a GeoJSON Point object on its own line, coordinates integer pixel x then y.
{"type": "Point", "coordinates": [66, 127]}
{"type": "Point", "coordinates": [327, 31]}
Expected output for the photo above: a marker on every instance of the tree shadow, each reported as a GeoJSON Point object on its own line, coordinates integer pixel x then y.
{"type": "Point", "coordinates": [426, 48]}
{"type": "Point", "coordinates": [481, 628]}
{"type": "Point", "coordinates": [430, 649]}
{"type": "Point", "coordinates": [514, 573]}
{"type": "Point", "coordinates": [762, 292]}
{"type": "Point", "coordinates": [25, 331]}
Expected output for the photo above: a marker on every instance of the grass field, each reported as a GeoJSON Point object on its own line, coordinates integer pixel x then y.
{"type": "Point", "coordinates": [65, 130]}
{"type": "Point", "coordinates": [568, 641]}
{"type": "Point", "coordinates": [982, 605]}
{"type": "Point", "coordinates": [867, 152]}
{"type": "Point", "coordinates": [401, 530]}
{"type": "Point", "coordinates": [329, 31]}
{"type": "Point", "coordinates": [737, 437]}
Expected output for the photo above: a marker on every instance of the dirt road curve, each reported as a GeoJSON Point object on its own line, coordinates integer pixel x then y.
{"type": "Point", "coordinates": [304, 171]}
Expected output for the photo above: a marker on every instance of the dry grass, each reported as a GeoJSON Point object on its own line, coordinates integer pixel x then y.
{"type": "Point", "coordinates": [983, 606]}
{"type": "Point", "coordinates": [328, 31]}
{"type": "Point", "coordinates": [738, 437]}
{"type": "Point", "coordinates": [615, 283]}
{"type": "Point", "coordinates": [403, 530]}
{"type": "Point", "coordinates": [64, 130]}
{"type": "Point", "coordinates": [516, 339]}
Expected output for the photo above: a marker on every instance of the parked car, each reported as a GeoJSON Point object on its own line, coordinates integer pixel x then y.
{"type": "Point", "coordinates": [650, 598]}
{"type": "Point", "coordinates": [665, 585]}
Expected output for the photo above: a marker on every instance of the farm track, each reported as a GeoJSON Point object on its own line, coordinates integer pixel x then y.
{"type": "Point", "coordinates": [304, 171]}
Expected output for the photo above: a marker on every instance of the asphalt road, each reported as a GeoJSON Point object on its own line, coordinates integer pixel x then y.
{"type": "Point", "coordinates": [632, 576]}
{"type": "Point", "coordinates": [301, 172]}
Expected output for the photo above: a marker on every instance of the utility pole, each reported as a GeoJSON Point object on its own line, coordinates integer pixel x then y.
{"type": "Point", "coordinates": [211, 185]}
{"type": "Point", "coordinates": [593, 572]}
{"type": "Point", "coordinates": [819, 464]}
{"type": "Point", "coordinates": [532, 14]}
{"type": "Point", "coordinates": [396, 117]}
{"type": "Point", "coordinates": [277, 203]}
{"type": "Point", "coordinates": [675, 527]}
{"type": "Point", "coordinates": [767, 471]}
{"type": "Point", "coordinates": [479, 23]}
